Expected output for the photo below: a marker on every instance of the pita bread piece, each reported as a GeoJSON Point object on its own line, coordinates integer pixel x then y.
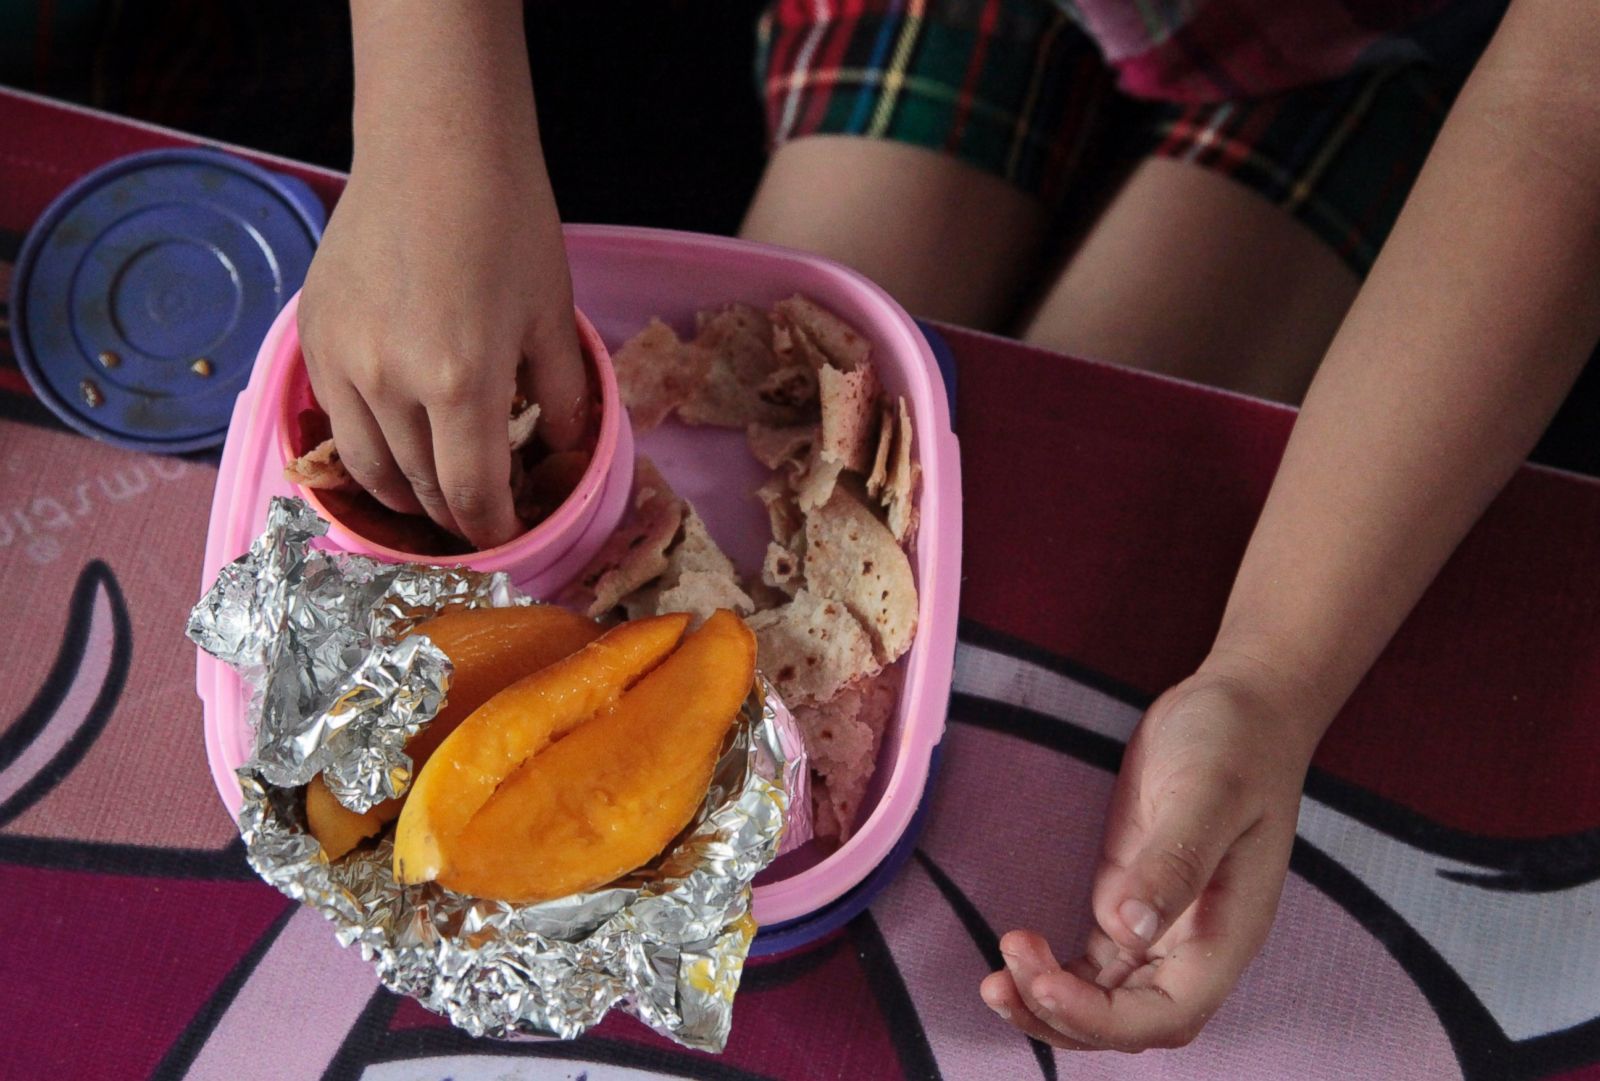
{"type": "Point", "coordinates": [899, 494]}
{"type": "Point", "coordinates": [656, 373]}
{"type": "Point", "coordinates": [849, 409]}
{"type": "Point", "coordinates": [778, 448]}
{"type": "Point", "coordinates": [636, 553]}
{"type": "Point", "coordinates": [880, 458]}
{"type": "Point", "coordinates": [783, 569]}
{"type": "Point", "coordinates": [810, 648]}
{"type": "Point", "coordinates": [842, 738]}
{"type": "Point", "coordinates": [851, 557]}
{"type": "Point", "coordinates": [816, 332]}
{"type": "Point", "coordinates": [321, 468]}
{"type": "Point", "coordinates": [738, 362]}
{"type": "Point", "coordinates": [699, 577]}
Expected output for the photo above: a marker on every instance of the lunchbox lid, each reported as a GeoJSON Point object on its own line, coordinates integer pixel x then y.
{"type": "Point", "coordinates": [141, 295]}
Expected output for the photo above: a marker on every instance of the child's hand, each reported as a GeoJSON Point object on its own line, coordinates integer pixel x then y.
{"type": "Point", "coordinates": [1196, 848]}
{"type": "Point", "coordinates": [438, 276]}
{"type": "Point", "coordinates": [443, 270]}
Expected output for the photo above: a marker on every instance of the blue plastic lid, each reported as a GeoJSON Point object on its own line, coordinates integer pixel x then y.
{"type": "Point", "coordinates": [142, 294]}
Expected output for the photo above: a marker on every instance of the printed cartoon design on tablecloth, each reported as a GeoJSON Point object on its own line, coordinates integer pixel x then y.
{"type": "Point", "coordinates": [35, 527]}
{"type": "Point", "coordinates": [75, 699]}
{"type": "Point", "coordinates": [137, 529]}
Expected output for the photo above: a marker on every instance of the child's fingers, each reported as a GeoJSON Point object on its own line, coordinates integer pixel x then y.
{"type": "Point", "coordinates": [1000, 995]}
{"type": "Point", "coordinates": [474, 464]}
{"type": "Point", "coordinates": [1028, 960]}
{"type": "Point", "coordinates": [1084, 969]}
{"type": "Point", "coordinates": [559, 381]}
{"type": "Point", "coordinates": [363, 450]}
{"type": "Point", "coordinates": [406, 429]}
{"type": "Point", "coordinates": [1122, 1019]}
{"type": "Point", "coordinates": [1091, 1016]}
{"type": "Point", "coordinates": [1111, 963]}
{"type": "Point", "coordinates": [1136, 902]}
{"type": "Point", "coordinates": [1186, 981]}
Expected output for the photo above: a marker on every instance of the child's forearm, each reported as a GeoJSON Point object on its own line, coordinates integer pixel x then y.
{"type": "Point", "coordinates": [439, 77]}
{"type": "Point", "coordinates": [1471, 329]}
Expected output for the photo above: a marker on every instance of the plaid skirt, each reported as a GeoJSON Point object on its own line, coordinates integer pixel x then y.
{"type": "Point", "coordinates": [1017, 89]}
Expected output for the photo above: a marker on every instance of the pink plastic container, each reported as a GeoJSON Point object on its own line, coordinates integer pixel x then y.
{"type": "Point", "coordinates": [622, 277]}
{"type": "Point", "coordinates": [540, 561]}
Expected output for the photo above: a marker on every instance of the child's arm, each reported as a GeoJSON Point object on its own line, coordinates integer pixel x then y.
{"type": "Point", "coordinates": [442, 267]}
{"type": "Point", "coordinates": [1472, 326]}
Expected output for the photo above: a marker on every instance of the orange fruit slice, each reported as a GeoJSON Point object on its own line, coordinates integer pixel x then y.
{"type": "Point", "coordinates": [614, 792]}
{"type": "Point", "coordinates": [488, 649]}
{"type": "Point", "coordinates": [514, 725]}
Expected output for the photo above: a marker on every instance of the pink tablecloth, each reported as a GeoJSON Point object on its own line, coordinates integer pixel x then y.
{"type": "Point", "coordinates": [1442, 918]}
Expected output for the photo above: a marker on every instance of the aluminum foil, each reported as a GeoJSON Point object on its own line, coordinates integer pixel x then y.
{"type": "Point", "coordinates": [314, 634]}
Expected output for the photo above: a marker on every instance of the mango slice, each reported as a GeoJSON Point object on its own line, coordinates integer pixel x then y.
{"type": "Point", "coordinates": [515, 724]}
{"type": "Point", "coordinates": [490, 648]}
{"type": "Point", "coordinates": [617, 790]}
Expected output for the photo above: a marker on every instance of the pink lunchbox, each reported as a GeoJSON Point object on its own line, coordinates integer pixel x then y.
{"type": "Point", "coordinates": [622, 277]}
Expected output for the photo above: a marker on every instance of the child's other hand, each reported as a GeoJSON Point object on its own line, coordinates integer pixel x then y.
{"type": "Point", "coordinates": [1197, 844]}
{"type": "Point", "coordinates": [442, 270]}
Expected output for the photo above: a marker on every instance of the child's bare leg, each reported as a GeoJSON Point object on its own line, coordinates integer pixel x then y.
{"type": "Point", "coordinates": [1190, 273]}
{"type": "Point", "coordinates": [946, 239]}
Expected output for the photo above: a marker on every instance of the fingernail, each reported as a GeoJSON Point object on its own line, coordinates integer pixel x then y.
{"type": "Point", "coordinates": [1139, 918]}
{"type": "Point", "coordinates": [1047, 1004]}
{"type": "Point", "coordinates": [1000, 1011]}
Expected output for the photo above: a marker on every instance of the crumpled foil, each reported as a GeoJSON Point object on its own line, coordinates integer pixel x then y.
{"type": "Point", "coordinates": [314, 634]}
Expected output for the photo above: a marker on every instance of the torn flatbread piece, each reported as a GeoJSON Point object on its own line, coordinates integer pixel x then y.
{"type": "Point", "coordinates": [817, 331]}
{"type": "Point", "coordinates": [321, 468]}
{"type": "Point", "coordinates": [880, 458]}
{"type": "Point", "coordinates": [700, 593]}
{"type": "Point", "coordinates": [699, 577]}
{"type": "Point", "coordinates": [782, 569]}
{"type": "Point", "coordinates": [636, 554]}
{"type": "Point", "coordinates": [842, 739]}
{"type": "Point", "coordinates": [851, 557]}
{"type": "Point", "coordinates": [899, 494]}
{"type": "Point", "coordinates": [813, 486]}
{"type": "Point", "coordinates": [794, 347]}
{"type": "Point", "coordinates": [782, 512]}
{"type": "Point", "coordinates": [793, 386]}
{"type": "Point", "coordinates": [779, 448]}
{"type": "Point", "coordinates": [810, 648]}
{"type": "Point", "coordinates": [656, 373]}
{"type": "Point", "coordinates": [849, 408]}
{"type": "Point", "coordinates": [524, 418]}
{"type": "Point", "coordinates": [731, 319]}
{"type": "Point", "coordinates": [738, 362]}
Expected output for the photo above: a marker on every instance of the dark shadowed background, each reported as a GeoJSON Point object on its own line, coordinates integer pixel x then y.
{"type": "Point", "coordinates": [648, 108]}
